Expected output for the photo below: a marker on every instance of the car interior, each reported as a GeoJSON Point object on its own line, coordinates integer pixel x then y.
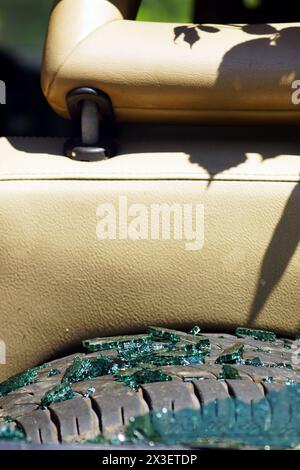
{"type": "Point", "coordinates": [195, 108]}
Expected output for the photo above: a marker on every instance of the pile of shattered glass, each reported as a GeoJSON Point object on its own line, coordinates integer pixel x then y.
{"type": "Point", "coordinates": [141, 359]}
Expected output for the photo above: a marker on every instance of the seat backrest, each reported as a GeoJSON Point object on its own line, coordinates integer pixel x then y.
{"type": "Point", "coordinates": [171, 72]}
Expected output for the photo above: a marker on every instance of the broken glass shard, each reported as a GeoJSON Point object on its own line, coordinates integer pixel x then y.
{"type": "Point", "coordinates": [23, 379]}
{"type": "Point", "coordinates": [195, 330]}
{"type": "Point", "coordinates": [10, 432]}
{"type": "Point", "coordinates": [177, 358]}
{"type": "Point", "coordinates": [199, 343]}
{"type": "Point", "coordinates": [144, 376]}
{"type": "Point", "coordinates": [136, 352]}
{"type": "Point", "coordinates": [231, 355]}
{"type": "Point", "coordinates": [86, 368]}
{"type": "Point", "coordinates": [163, 345]}
{"type": "Point", "coordinates": [287, 344]}
{"type": "Point", "coordinates": [116, 342]}
{"type": "Point", "coordinates": [259, 335]}
{"type": "Point", "coordinates": [282, 365]}
{"type": "Point", "coordinates": [164, 333]}
{"type": "Point", "coordinates": [7, 419]}
{"type": "Point", "coordinates": [229, 373]}
{"type": "Point", "coordinates": [89, 392]}
{"type": "Point", "coordinates": [53, 372]}
{"type": "Point", "coordinates": [57, 394]}
{"type": "Point", "coordinates": [100, 440]}
{"type": "Point", "coordinates": [180, 338]}
{"type": "Point", "coordinates": [118, 366]}
{"type": "Point", "coordinates": [268, 379]}
{"type": "Point", "coordinates": [255, 361]}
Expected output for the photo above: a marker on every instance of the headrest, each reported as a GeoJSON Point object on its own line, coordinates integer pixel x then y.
{"type": "Point", "coordinates": [171, 72]}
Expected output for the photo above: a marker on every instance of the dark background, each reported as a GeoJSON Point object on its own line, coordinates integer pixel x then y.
{"type": "Point", "coordinates": [23, 26]}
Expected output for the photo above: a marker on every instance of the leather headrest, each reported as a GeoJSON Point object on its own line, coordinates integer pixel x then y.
{"type": "Point", "coordinates": [171, 72]}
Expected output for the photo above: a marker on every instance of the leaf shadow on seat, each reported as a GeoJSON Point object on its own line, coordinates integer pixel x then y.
{"type": "Point", "coordinates": [280, 251]}
{"type": "Point", "coordinates": [191, 33]}
{"type": "Point", "coordinates": [264, 51]}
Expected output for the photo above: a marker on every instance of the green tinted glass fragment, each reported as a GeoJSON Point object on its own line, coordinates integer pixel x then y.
{"type": "Point", "coordinates": [165, 334]}
{"type": "Point", "coordinates": [231, 355]}
{"type": "Point", "coordinates": [127, 372]}
{"type": "Point", "coordinates": [89, 392]}
{"type": "Point", "coordinates": [144, 365]}
{"type": "Point", "coordinates": [269, 379]}
{"type": "Point", "coordinates": [200, 343]}
{"type": "Point", "coordinates": [137, 356]}
{"type": "Point", "coordinates": [86, 368]}
{"type": "Point", "coordinates": [256, 362]}
{"type": "Point", "coordinates": [116, 342]}
{"type": "Point", "coordinates": [57, 394]}
{"type": "Point", "coordinates": [190, 378]}
{"type": "Point", "coordinates": [287, 344]}
{"type": "Point", "coordinates": [229, 373]}
{"type": "Point", "coordinates": [53, 372]}
{"type": "Point", "coordinates": [179, 357]}
{"type": "Point", "coordinates": [9, 432]}
{"type": "Point", "coordinates": [118, 366]}
{"type": "Point", "coordinates": [23, 379]}
{"type": "Point", "coordinates": [141, 377]}
{"type": "Point", "coordinates": [100, 440]}
{"type": "Point", "coordinates": [263, 350]}
{"type": "Point", "coordinates": [163, 345]}
{"type": "Point", "coordinates": [259, 335]}
{"type": "Point", "coordinates": [135, 352]}
{"type": "Point", "coordinates": [176, 337]}
{"type": "Point", "coordinates": [282, 365]}
{"type": "Point", "coordinates": [7, 419]}
{"type": "Point", "coordinates": [195, 330]}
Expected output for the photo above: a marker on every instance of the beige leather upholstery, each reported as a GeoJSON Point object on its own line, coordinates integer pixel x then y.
{"type": "Point", "coordinates": [167, 72]}
{"type": "Point", "coordinates": [59, 283]}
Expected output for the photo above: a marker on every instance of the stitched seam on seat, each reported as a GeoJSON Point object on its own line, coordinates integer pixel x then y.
{"type": "Point", "coordinates": [161, 177]}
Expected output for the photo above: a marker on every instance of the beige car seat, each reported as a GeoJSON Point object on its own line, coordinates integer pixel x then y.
{"type": "Point", "coordinates": [59, 282]}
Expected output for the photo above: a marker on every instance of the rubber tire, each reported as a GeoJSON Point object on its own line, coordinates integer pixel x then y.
{"type": "Point", "coordinates": [112, 405]}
